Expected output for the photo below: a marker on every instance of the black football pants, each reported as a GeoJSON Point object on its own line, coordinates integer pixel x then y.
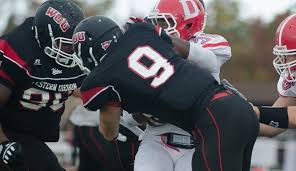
{"type": "Point", "coordinates": [37, 155]}
{"type": "Point", "coordinates": [97, 154]}
{"type": "Point", "coordinates": [227, 129]}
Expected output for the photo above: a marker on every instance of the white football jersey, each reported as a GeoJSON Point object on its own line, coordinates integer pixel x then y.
{"type": "Point", "coordinates": [286, 88]}
{"type": "Point", "coordinates": [220, 47]}
{"type": "Point", "coordinates": [83, 117]}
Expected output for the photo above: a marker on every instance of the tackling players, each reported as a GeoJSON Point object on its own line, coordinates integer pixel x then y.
{"type": "Point", "coordinates": [139, 71]}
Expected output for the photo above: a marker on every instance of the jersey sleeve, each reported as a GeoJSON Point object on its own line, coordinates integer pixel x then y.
{"type": "Point", "coordinates": [285, 88]}
{"type": "Point", "coordinates": [202, 57]}
{"type": "Point", "coordinates": [217, 44]}
{"type": "Point", "coordinates": [12, 67]}
{"type": "Point", "coordinates": [209, 52]}
{"type": "Point", "coordinates": [96, 95]}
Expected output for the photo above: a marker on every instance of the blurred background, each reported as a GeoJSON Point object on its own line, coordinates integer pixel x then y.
{"type": "Point", "coordinates": [249, 26]}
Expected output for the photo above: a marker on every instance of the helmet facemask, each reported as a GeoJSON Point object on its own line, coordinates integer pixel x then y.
{"type": "Point", "coordinates": [61, 50]}
{"type": "Point", "coordinates": [165, 20]}
{"type": "Point", "coordinates": [284, 68]}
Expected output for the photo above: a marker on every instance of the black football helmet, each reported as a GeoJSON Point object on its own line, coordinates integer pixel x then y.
{"type": "Point", "coordinates": [92, 37]}
{"type": "Point", "coordinates": [54, 24]}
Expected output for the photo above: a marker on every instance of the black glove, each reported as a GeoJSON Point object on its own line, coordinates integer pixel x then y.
{"type": "Point", "coordinates": [11, 153]}
{"type": "Point", "coordinates": [132, 20]}
{"type": "Point", "coordinates": [230, 87]}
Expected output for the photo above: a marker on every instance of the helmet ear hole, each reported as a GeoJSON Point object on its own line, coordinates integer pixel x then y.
{"type": "Point", "coordinates": [188, 26]}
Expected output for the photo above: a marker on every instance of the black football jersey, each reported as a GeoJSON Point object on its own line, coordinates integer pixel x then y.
{"type": "Point", "coordinates": [144, 73]}
{"type": "Point", "coordinates": [39, 85]}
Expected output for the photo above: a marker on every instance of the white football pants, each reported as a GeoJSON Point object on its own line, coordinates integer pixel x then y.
{"type": "Point", "coordinates": [155, 155]}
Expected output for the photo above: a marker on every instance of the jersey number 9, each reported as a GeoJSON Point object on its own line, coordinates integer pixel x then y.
{"type": "Point", "coordinates": [160, 69]}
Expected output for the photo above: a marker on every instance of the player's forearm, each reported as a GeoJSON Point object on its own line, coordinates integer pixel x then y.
{"type": "Point", "coordinates": [292, 116]}
{"type": "Point", "coordinates": [109, 122]}
{"type": "Point", "coordinates": [182, 47]}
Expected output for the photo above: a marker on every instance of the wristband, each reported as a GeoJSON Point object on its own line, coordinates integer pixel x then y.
{"type": "Point", "coordinates": [274, 116]}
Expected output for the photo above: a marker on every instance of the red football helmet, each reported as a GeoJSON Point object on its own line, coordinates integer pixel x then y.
{"type": "Point", "coordinates": [181, 17]}
{"type": "Point", "coordinates": [285, 46]}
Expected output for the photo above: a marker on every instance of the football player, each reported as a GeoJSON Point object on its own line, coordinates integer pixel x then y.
{"type": "Point", "coordinates": [277, 118]}
{"type": "Point", "coordinates": [285, 65]}
{"type": "Point", "coordinates": [139, 71]}
{"type": "Point", "coordinates": [37, 74]}
{"type": "Point", "coordinates": [208, 51]}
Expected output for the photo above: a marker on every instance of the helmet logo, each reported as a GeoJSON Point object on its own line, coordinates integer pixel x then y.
{"type": "Point", "coordinates": [201, 39]}
{"type": "Point", "coordinates": [190, 8]}
{"type": "Point", "coordinates": [58, 18]}
{"type": "Point", "coordinates": [286, 85]}
{"type": "Point", "coordinates": [105, 45]}
{"type": "Point", "coordinates": [78, 37]}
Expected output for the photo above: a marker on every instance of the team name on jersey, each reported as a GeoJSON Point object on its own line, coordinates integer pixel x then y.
{"type": "Point", "coordinates": [67, 87]}
{"type": "Point", "coordinates": [58, 18]}
{"type": "Point", "coordinates": [56, 87]}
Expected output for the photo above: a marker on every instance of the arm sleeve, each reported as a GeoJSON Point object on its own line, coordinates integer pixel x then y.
{"type": "Point", "coordinates": [220, 47]}
{"type": "Point", "coordinates": [97, 97]}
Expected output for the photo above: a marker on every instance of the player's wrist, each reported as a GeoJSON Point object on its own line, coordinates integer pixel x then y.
{"type": "Point", "coordinates": [274, 116]}
{"type": "Point", "coordinates": [3, 137]}
{"type": "Point", "coordinates": [3, 140]}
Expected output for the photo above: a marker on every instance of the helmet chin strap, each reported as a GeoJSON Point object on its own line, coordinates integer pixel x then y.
{"type": "Point", "coordinates": [36, 35]}
{"type": "Point", "coordinates": [51, 35]}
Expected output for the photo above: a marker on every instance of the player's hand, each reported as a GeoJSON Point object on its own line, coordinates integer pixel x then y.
{"type": "Point", "coordinates": [163, 34]}
{"type": "Point", "coordinates": [11, 153]}
{"type": "Point", "coordinates": [132, 20]}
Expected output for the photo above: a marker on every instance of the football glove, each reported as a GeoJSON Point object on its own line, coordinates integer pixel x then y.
{"type": "Point", "coordinates": [132, 20]}
{"type": "Point", "coordinates": [11, 153]}
{"type": "Point", "coordinates": [157, 28]}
